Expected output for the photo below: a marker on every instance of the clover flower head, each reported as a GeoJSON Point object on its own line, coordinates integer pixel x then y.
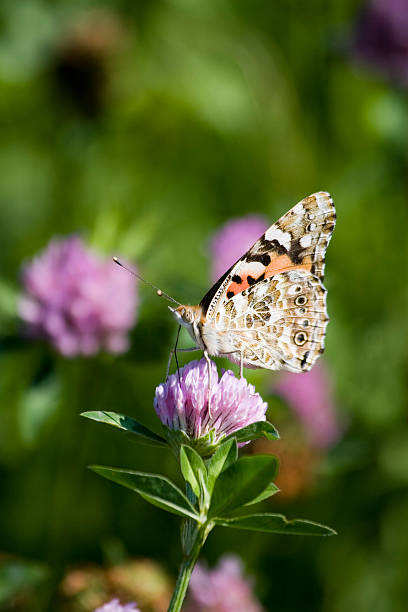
{"type": "Point", "coordinates": [233, 239]}
{"type": "Point", "coordinates": [310, 396]}
{"type": "Point", "coordinates": [222, 589]}
{"type": "Point", "coordinates": [116, 606]}
{"type": "Point", "coordinates": [181, 402]}
{"type": "Point", "coordinates": [79, 302]}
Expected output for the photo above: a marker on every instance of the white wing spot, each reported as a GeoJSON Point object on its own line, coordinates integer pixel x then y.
{"type": "Point", "coordinates": [254, 268]}
{"type": "Point", "coordinates": [305, 241]}
{"type": "Point", "coordinates": [274, 233]}
{"type": "Point", "coordinates": [298, 209]}
{"type": "Point", "coordinates": [321, 199]}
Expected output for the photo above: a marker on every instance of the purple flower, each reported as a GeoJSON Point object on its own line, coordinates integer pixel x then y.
{"type": "Point", "coordinates": [233, 240]}
{"type": "Point", "coordinates": [183, 404]}
{"type": "Point", "coordinates": [76, 300]}
{"type": "Point", "coordinates": [310, 396]}
{"type": "Point", "coordinates": [382, 38]}
{"type": "Point", "coordinates": [223, 589]}
{"type": "Point", "coordinates": [116, 606]}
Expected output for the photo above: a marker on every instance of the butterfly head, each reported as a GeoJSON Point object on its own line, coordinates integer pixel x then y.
{"type": "Point", "coordinates": [186, 315]}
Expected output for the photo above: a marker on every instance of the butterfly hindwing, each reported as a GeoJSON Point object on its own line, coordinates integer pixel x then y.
{"type": "Point", "coordinates": [279, 322]}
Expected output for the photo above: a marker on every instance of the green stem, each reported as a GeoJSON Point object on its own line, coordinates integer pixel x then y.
{"type": "Point", "coordinates": [187, 567]}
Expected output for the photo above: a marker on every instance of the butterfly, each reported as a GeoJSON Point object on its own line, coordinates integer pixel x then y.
{"type": "Point", "coordinates": [269, 309]}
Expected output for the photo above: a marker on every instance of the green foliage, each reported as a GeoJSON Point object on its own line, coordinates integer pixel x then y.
{"type": "Point", "coordinates": [221, 488]}
{"type": "Point", "coordinates": [225, 455]}
{"type": "Point", "coordinates": [194, 470]}
{"type": "Point", "coordinates": [128, 424]}
{"type": "Point", "coordinates": [257, 430]}
{"type": "Point", "coordinates": [224, 484]}
{"type": "Point", "coordinates": [268, 491]}
{"type": "Point", "coordinates": [155, 489]}
{"type": "Point", "coordinates": [275, 523]}
{"type": "Point", "coordinates": [216, 492]}
{"type": "Point", "coordinates": [242, 482]}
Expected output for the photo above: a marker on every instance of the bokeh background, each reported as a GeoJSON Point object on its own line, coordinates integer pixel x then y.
{"type": "Point", "coordinates": [143, 127]}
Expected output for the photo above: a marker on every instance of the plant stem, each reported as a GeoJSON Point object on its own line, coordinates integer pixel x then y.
{"type": "Point", "coordinates": [187, 567]}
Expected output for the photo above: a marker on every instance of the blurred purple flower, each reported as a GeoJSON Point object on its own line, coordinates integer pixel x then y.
{"type": "Point", "coordinates": [233, 240]}
{"type": "Point", "coordinates": [222, 589]}
{"type": "Point", "coordinates": [183, 404]}
{"type": "Point", "coordinates": [382, 38]}
{"type": "Point", "coordinates": [78, 301]}
{"type": "Point", "coordinates": [116, 606]}
{"type": "Point", "coordinates": [310, 396]}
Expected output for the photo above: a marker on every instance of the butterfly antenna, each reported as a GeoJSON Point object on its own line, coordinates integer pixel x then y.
{"type": "Point", "coordinates": [159, 292]}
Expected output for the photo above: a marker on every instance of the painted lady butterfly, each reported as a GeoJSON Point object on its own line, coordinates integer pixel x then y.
{"type": "Point", "coordinates": [269, 309]}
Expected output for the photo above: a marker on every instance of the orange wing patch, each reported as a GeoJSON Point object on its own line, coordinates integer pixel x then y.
{"type": "Point", "coordinates": [283, 263]}
{"type": "Point", "coordinates": [254, 272]}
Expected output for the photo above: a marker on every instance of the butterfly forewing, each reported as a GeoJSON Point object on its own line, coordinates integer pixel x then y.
{"type": "Point", "coordinates": [297, 241]}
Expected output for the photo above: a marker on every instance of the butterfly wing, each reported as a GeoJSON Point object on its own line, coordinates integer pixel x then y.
{"type": "Point", "coordinates": [298, 241]}
{"type": "Point", "coordinates": [279, 322]}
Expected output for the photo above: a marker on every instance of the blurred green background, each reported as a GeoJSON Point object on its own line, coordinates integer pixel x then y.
{"type": "Point", "coordinates": [144, 126]}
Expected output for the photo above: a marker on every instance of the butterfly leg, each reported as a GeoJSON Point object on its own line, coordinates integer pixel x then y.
{"type": "Point", "coordinates": [182, 350]}
{"type": "Point", "coordinates": [208, 360]}
{"type": "Point", "coordinates": [241, 361]}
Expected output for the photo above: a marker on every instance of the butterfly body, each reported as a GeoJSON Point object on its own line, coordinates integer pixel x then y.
{"type": "Point", "coordinates": [269, 310]}
{"type": "Point", "coordinates": [214, 340]}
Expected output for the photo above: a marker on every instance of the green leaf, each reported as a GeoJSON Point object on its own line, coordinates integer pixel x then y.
{"type": "Point", "coordinates": [225, 455]}
{"type": "Point", "coordinates": [155, 489]}
{"type": "Point", "coordinates": [127, 424]}
{"type": "Point", "coordinates": [270, 490]}
{"type": "Point", "coordinates": [260, 429]}
{"type": "Point", "coordinates": [242, 482]}
{"type": "Point", "coordinates": [275, 523]}
{"type": "Point", "coordinates": [193, 469]}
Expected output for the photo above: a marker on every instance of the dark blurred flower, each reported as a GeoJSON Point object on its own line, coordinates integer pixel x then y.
{"type": "Point", "coordinates": [78, 301]}
{"type": "Point", "coordinates": [310, 396]}
{"type": "Point", "coordinates": [182, 403]}
{"type": "Point", "coordinates": [142, 580]}
{"type": "Point", "coordinates": [233, 240]}
{"type": "Point", "coordinates": [222, 589]}
{"type": "Point", "coordinates": [116, 606]}
{"type": "Point", "coordinates": [382, 38]}
{"type": "Point", "coordinates": [85, 588]}
{"type": "Point", "coordinates": [81, 62]}
{"type": "Point", "coordinates": [298, 464]}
